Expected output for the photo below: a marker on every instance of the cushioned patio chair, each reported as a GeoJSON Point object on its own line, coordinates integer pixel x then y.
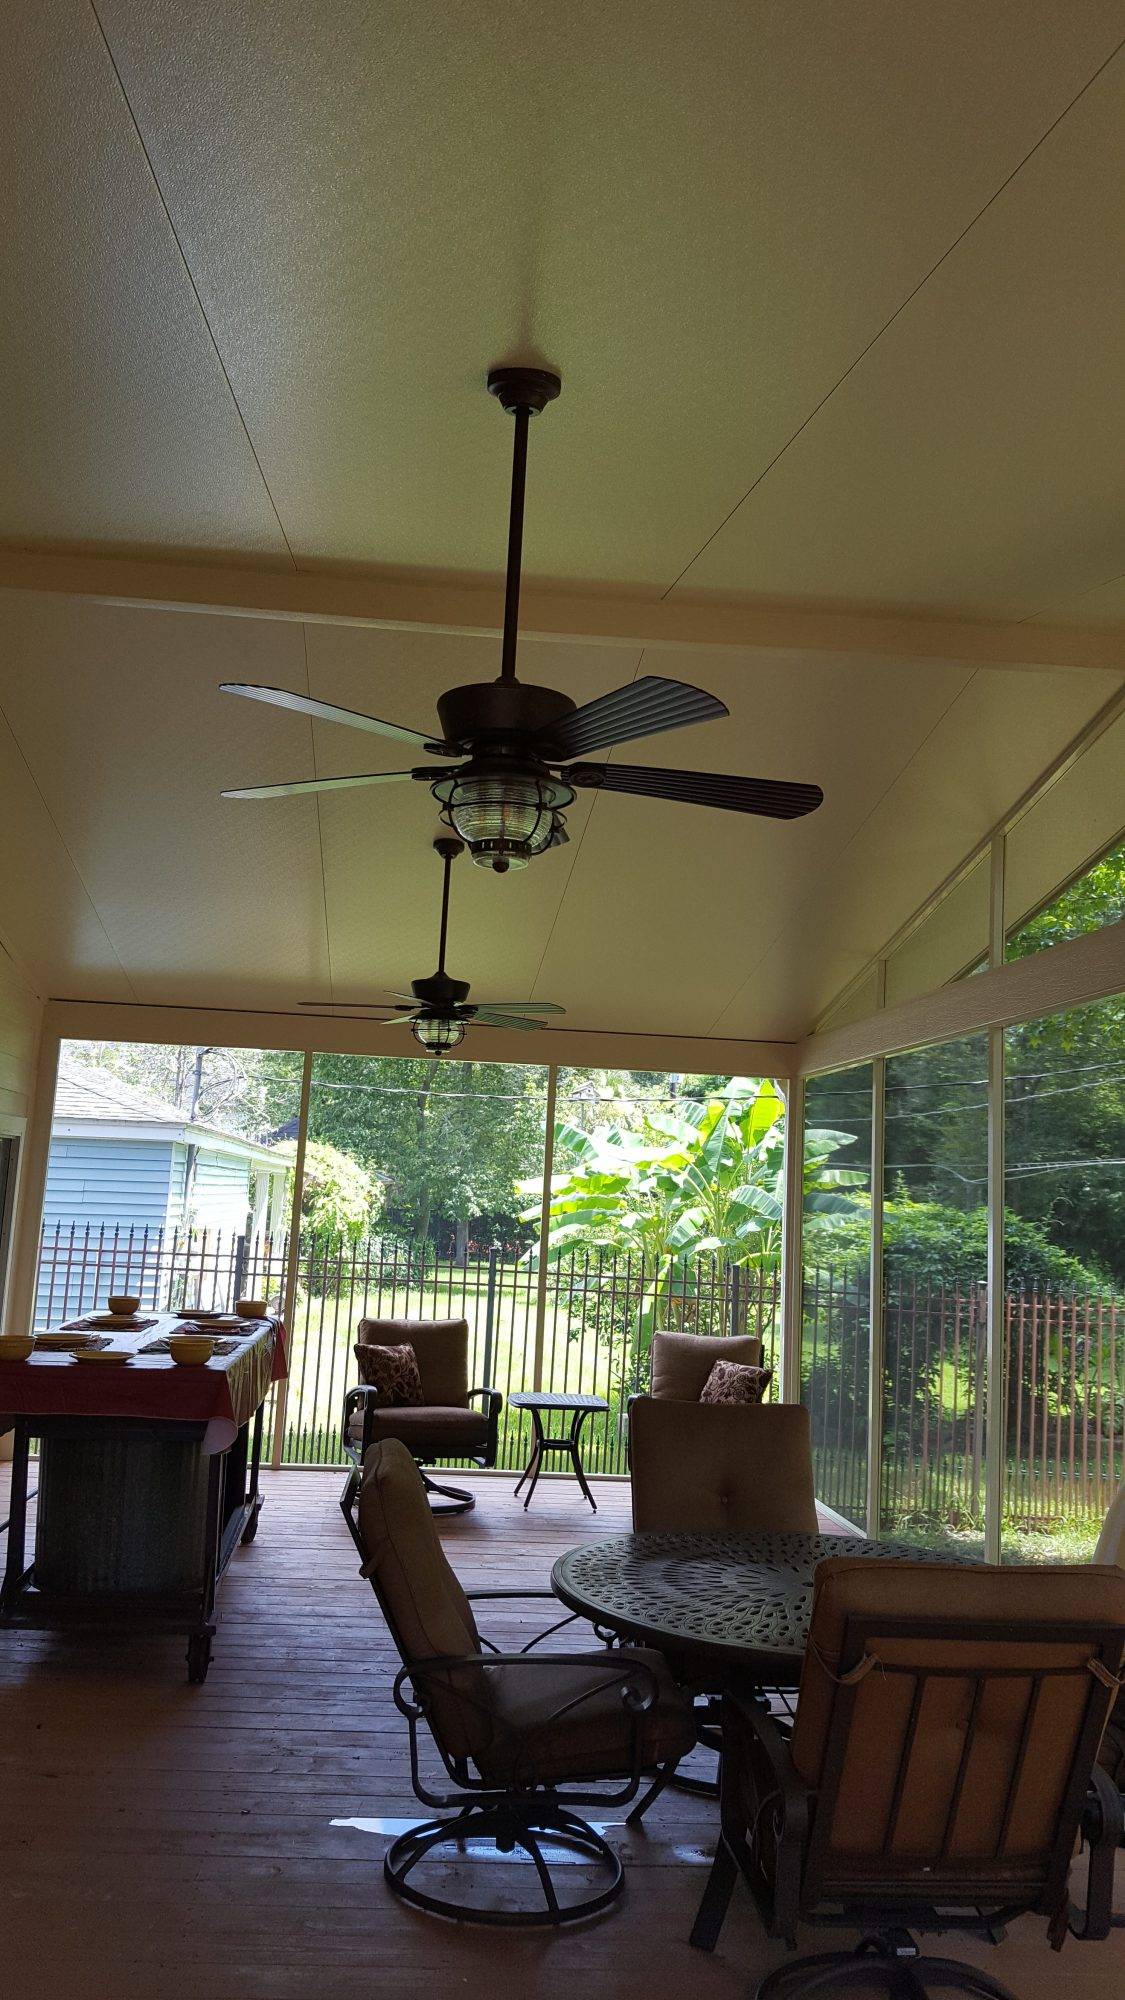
{"type": "Point", "coordinates": [681, 1362]}
{"type": "Point", "coordinates": [524, 1737]}
{"type": "Point", "coordinates": [699, 1466]}
{"type": "Point", "coordinates": [444, 1425]}
{"type": "Point", "coordinates": [945, 1735]}
{"type": "Point", "coordinates": [721, 1465]}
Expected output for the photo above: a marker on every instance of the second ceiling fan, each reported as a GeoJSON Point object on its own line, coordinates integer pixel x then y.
{"type": "Point", "coordinates": [519, 748]}
{"type": "Point", "coordinates": [438, 1009]}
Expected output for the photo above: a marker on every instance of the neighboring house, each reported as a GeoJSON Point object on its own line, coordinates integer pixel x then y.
{"type": "Point", "coordinates": [127, 1177]}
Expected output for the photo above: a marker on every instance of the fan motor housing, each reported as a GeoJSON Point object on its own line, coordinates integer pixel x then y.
{"type": "Point", "coordinates": [492, 711]}
{"type": "Point", "coordinates": [440, 992]}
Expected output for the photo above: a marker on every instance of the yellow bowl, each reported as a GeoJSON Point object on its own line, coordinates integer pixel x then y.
{"type": "Point", "coordinates": [16, 1346]}
{"type": "Point", "coordinates": [252, 1308]}
{"type": "Point", "coordinates": [191, 1350]}
{"type": "Point", "coordinates": [124, 1304]}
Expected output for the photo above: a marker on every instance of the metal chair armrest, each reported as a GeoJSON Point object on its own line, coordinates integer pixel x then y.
{"type": "Point", "coordinates": [780, 1899]}
{"type": "Point", "coordinates": [365, 1394]}
{"type": "Point", "coordinates": [493, 1402]}
{"type": "Point", "coordinates": [1103, 1826]}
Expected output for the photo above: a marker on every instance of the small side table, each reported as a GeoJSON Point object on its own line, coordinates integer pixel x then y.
{"type": "Point", "coordinates": [578, 1408]}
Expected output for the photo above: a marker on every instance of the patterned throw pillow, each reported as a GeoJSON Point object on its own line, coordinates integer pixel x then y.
{"type": "Point", "coordinates": [735, 1382]}
{"type": "Point", "coordinates": [393, 1374]}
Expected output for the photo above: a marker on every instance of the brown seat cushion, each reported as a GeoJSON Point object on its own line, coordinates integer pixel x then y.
{"type": "Point", "coordinates": [392, 1372]}
{"type": "Point", "coordinates": [592, 1739]}
{"type": "Point", "coordinates": [1009, 1804]}
{"type": "Point", "coordinates": [426, 1432]}
{"type": "Point", "coordinates": [681, 1362]}
{"type": "Point", "coordinates": [735, 1382]}
{"type": "Point", "coordinates": [441, 1348]}
{"type": "Point", "coordinates": [721, 1465]}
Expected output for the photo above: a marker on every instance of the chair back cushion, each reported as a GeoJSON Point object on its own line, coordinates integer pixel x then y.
{"type": "Point", "coordinates": [441, 1348]}
{"type": "Point", "coordinates": [941, 1713]}
{"type": "Point", "coordinates": [681, 1362]}
{"type": "Point", "coordinates": [393, 1374]}
{"type": "Point", "coordinates": [428, 1613]}
{"type": "Point", "coordinates": [721, 1465]}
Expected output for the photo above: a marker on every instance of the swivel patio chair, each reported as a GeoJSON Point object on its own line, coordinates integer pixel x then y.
{"type": "Point", "coordinates": [946, 1733]}
{"type": "Point", "coordinates": [525, 1737]}
{"type": "Point", "coordinates": [698, 1466]}
{"type": "Point", "coordinates": [721, 1465]}
{"type": "Point", "coordinates": [444, 1425]}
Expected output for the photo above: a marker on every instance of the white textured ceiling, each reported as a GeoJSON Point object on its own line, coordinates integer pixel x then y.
{"type": "Point", "coordinates": [836, 296]}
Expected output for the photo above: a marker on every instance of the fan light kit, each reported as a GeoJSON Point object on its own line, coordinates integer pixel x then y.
{"type": "Point", "coordinates": [517, 745]}
{"type": "Point", "coordinates": [439, 1007]}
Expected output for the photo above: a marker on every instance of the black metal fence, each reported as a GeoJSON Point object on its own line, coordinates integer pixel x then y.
{"type": "Point", "coordinates": [583, 1322]}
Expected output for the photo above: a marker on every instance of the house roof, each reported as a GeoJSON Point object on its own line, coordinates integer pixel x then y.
{"type": "Point", "coordinates": [88, 1096]}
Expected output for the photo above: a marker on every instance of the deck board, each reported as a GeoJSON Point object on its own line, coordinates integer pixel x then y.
{"type": "Point", "coordinates": [157, 1838]}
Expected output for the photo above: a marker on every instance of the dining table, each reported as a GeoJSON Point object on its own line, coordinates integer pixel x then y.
{"type": "Point", "coordinates": [147, 1473]}
{"type": "Point", "coordinates": [728, 1608]}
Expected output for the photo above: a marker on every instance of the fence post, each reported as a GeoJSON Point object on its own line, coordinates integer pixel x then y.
{"type": "Point", "coordinates": [490, 1314]}
{"type": "Point", "coordinates": [544, 1225]}
{"type": "Point", "coordinates": [293, 1255]}
{"type": "Point", "coordinates": [239, 1268]}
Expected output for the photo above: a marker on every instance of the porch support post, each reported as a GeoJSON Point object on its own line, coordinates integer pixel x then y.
{"type": "Point", "coordinates": [293, 1257]}
{"type": "Point", "coordinates": [791, 1218]}
{"type": "Point", "coordinates": [996, 1387]}
{"type": "Point", "coordinates": [877, 1344]}
{"type": "Point", "coordinates": [35, 1150]}
{"type": "Point", "coordinates": [544, 1227]}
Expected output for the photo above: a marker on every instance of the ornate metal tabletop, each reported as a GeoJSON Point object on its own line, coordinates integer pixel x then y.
{"type": "Point", "coordinates": [727, 1599]}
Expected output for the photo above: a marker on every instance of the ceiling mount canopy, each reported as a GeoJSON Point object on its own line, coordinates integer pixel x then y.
{"type": "Point", "coordinates": [439, 1008]}
{"type": "Point", "coordinates": [517, 746]}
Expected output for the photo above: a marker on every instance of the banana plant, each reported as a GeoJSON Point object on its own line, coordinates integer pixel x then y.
{"type": "Point", "coordinates": [706, 1178]}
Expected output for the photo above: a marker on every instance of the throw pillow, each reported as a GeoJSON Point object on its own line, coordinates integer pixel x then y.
{"type": "Point", "coordinates": [393, 1374]}
{"type": "Point", "coordinates": [735, 1382]}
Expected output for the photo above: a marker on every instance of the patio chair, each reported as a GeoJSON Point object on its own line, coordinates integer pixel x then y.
{"type": "Point", "coordinates": [444, 1425]}
{"type": "Point", "coordinates": [945, 1735]}
{"type": "Point", "coordinates": [717, 1465]}
{"type": "Point", "coordinates": [1104, 1818]}
{"type": "Point", "coordinates": [681, 1362]}
{"type": "Point", "coordinates": [523, 1737]}
{"type": "Point", "coordinates": [721, 1465]}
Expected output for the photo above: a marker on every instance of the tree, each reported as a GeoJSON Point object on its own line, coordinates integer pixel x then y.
{"type": "Point", "coordinates": [340, 1202]}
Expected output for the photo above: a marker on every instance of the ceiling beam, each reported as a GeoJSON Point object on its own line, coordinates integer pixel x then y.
{"type": "Point", "coordinates": [581, 617]}
{"type": "Point", "coordinates": [1071, 974]}
{"type": "Point", "coordinates": [342, 1034]}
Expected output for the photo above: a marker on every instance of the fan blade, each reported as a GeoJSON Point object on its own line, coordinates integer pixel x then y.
{"type": "Point", "coordinates": [772, 798]}
{"type": "Point", "coordinates": [644, 707]}
{"type": "Point", "coordinates": [521, 1007]}
{"type": "Point", "coordinates": [483, 1019]}
{"type": "Point", "coordinates": [316, 785]}
{"type": "Point", "coordinates": [324, 711]}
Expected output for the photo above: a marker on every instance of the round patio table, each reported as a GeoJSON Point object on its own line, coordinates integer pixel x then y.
{"type": "Point", "coordinates": [728, 1605]}
{"type": "Point", "coordinates": [577, 1408]}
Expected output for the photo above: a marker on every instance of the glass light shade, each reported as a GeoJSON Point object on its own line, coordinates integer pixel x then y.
{"type": "Point", "coordinates": [438, 1033]}
{"type": "Point", "coordinates": [496, 809]}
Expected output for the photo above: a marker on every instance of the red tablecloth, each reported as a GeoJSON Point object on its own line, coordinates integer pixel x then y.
{"type": "Point", "coordinates": [223, 1394]}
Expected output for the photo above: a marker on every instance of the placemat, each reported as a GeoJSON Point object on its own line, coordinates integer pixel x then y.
{"type": "Point", "coordinates": [96, 1324]}
{"type": "Point", "coordinates": [224, 1343]}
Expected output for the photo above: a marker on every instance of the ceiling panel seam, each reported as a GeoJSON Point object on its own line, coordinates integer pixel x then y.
{"type": "Point", "coordinates": [888, 788]}
{"type": "Point", "coordinates": [1074, 597]}
{"type": "Point", "coordinates": [63, 843]}
{"type": "Point", "coordinates": [319, 822]}
{"type": "Point", "coordinates": [125, 98]}
{"type": "Point", "coordinates": [897, 314]}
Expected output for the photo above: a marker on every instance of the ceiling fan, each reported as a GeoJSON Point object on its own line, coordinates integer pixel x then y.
{"type": "Point", "coordinates": [518, 747]}
{"type": "Point", "coordinates": [439, 1008]}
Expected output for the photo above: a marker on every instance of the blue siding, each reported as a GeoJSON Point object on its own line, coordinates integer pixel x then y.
{"type": "Point", "coordinates": [96, 1189]}
{"type": "Point", "coordinates": [221, 1193]}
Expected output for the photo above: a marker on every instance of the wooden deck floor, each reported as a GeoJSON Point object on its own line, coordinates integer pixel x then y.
{"type": "Point", "coordinates": [186, 1843]}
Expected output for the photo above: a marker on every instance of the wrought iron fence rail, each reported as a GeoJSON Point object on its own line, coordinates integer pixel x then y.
{"type": "Point", "coordinates": [1065, 1352]}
